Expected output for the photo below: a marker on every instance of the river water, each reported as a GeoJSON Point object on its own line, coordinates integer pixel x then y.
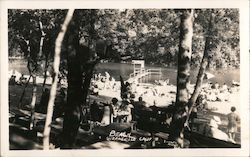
{"type": "Point", "coordinates": [124, 69]}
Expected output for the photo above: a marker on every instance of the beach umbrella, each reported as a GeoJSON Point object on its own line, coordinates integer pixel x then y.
{"type": "Point", "coordinates": [208, 75]}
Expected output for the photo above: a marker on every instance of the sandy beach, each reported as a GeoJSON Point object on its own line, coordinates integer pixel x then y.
{"type": "Point", "coordinates": [164, 95]}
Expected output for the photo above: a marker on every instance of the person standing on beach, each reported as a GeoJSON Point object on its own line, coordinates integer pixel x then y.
{"type": "Point", "coordinates": [115, 107]}
{"type": "Point", "coordinates": [233, 120]}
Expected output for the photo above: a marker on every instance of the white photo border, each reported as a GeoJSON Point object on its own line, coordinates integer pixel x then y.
{"type": "Point", "coordinates": [242, 5]}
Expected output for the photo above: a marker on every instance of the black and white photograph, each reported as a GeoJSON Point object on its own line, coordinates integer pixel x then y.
{"type": "Point", "coordinates": [125, 79]}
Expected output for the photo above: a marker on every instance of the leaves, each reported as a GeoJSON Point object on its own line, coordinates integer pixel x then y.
{"type": "Point", "coordinates": [138, 33]}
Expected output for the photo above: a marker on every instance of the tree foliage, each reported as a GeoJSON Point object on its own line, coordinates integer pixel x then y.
{"type": "Point", "coordinates": [224, 34]}
{"type": "Point", "coordinates": [150, 34]}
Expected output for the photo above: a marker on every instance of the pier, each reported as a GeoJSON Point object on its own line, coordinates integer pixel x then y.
{"type": "Point", "coordinates": [141, 72]}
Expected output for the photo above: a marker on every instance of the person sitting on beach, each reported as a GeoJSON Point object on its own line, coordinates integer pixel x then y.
{"type": "Point", "coordinates": [125, 111]}
{"type": "Point", "coordinates": [22, 80]}
{"type": "Point", "coordinates": [216, 85]}
{"type": "Point", "coordinates": [107, 75]}
{"type": "Point", "coordinates": [157, 82]}
{"type": "Point", "coordinates": [112, 83]}
{"type": "Point", "coordinates": [235, 83]}
{"type": "Point", "coordinates": [108, 112]}
{"type": "Point", "coordinates": [12, 80]}
{"type": "Point", "coordinates": [138, 107]}
{"type": "Point", "coordinates": [163, 82]}
{"type": "Point", "coordinates": [141, 103]}
{"type": "Point", "coordinates": [94, 89]}
{"type": "Point", "coordinates": [103, 79]}
{"type": "Point", "coordinates": [100, 84]}
{"type": "Point", "coordinates": [204, 103]}
{"type": "Point", "coordinates": [222, 93]}
{"type": "Point", "coordinates": [128, 89]}
{"type": "Point", "coordinates": [107, 115]}
{"type": "Point", "coordinates": [133, 87]}
{"type": "Point", "coordinates": [224, 88]}
{"type": "Point", "coordinates": [99, 76]}
{"type": "Point", "coordinates": [211, 96]}
{"type": "Point", "coordinates": [215, 132]}
{"type": "Point", "coordinates": [155, 92]}
{"type": "Point", "coordinates": [233, 120]}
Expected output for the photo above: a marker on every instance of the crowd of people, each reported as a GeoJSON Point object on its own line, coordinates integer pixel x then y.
{"type": "Point", "coordinates": [17, 78]}
{"type": "Point", "coordinates": [115, 111]}
{"type": "Point", "coordinates": [14, 80]}
{"type": "Point", "coordinates": [161, 93]}
{"type": "Point", "coordinates": [100, 82]}
{"type": "Point", "coordinates": [122, 107]}
{"type": "Point", "coordinates": [216, 92]}
{"type": "Point", "coordinates": [151, 93]}
{"type": "Point", "coordinates": [132, 96]}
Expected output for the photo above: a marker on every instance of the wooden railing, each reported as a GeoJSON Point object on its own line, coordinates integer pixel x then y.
{"type": "Point", "coordinates": [139, 73]}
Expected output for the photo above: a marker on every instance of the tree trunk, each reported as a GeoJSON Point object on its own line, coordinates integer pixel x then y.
{"type": "Point", "coordinates": [72, 115]}
{"type": "Point", "coordinates": [182, 95]}
{"type": "Point", "coordinates": [30, 72]}
{"type": "Point", "coordinates": [92, 60]}
{"type": "Point", "coordinates": [203, 67]}
{"type": "Point", "coordinates": [86, 83]}
{"type": "Point", "coordinates": [45, 71]}
{"type": "Point", "coordinates": [58, 46]}
{"type": "Point", "coordinates": [87, 79]}
{"type": "Point", "coordinates": [34, 91]}
{"type": "Point", "coordinates": [33, 69]}
{"type": "Point", "coordinates": [33, 103]}
{"type": "Point", "coordinates": [40, 54]}
{"type": "Point", "coordinates": [41, 40]}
